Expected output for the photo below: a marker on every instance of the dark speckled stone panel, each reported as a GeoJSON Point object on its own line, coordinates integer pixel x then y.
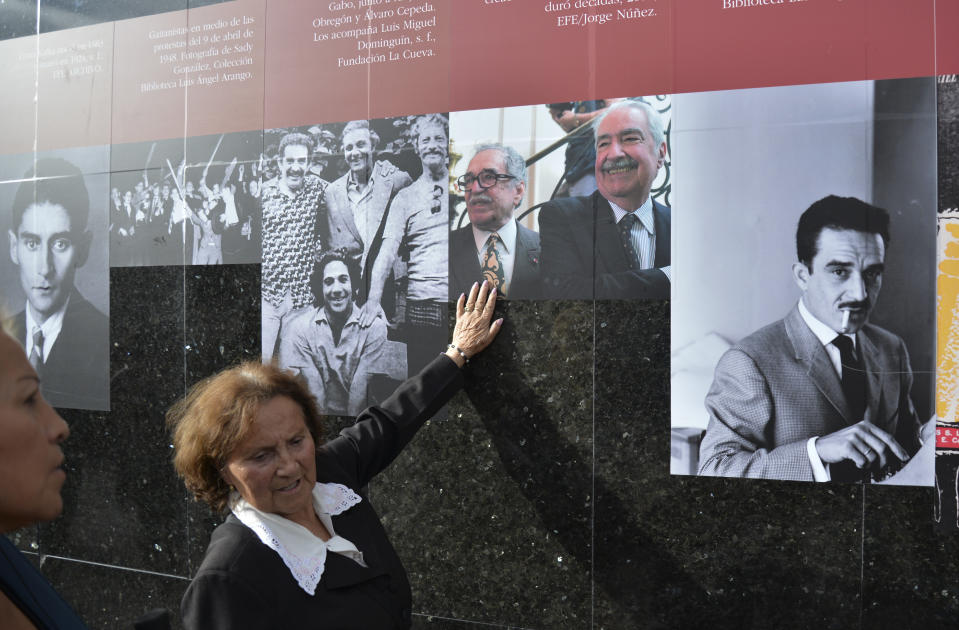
{"type": "Point", "coordinates": [222, 316]}
{"type": "Point", "coordinates": [25, 539]}
{"type": "Point", "coordinates": [948, 140]}
{"type": "Point", "coordinates": [909, 567]}
{"type": "Point", "coordinates": [676, 552]}
{"type": "Point", "coordinates": [429, 622]}
{"type": "Point", "coordinates": [122, 503]}
{"type": "Point", "coordinates": [222, 311]}
{"type": "Point", "coordinates": [106, 597]}
{"type": "Point", "coordinates": [490, 509]}
{"type": "Point", "coordinates": [769, 554]}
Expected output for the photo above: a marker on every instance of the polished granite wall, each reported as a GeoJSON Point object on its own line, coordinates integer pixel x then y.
{"type": "Point", "coordinates": [542, 500]}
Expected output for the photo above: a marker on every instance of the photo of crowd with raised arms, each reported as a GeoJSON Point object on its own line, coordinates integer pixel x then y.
{"type": "Point", "coordinates": [188, 203]}
{"type": "Point", "coordinates": [355, 227]}
{"type": "Point", "coordinates": [569, 200]}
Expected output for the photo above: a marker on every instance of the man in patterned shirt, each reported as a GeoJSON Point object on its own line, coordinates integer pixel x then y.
{"type": "Point", "coordinates": [291, 204]}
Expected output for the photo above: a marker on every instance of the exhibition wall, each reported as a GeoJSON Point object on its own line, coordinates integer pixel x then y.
{"type": "Point", "coordinates": [563, 487]}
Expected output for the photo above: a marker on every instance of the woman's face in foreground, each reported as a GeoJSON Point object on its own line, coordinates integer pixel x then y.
{"type": "Point", "coordinates": [31, 460]}
{"type": "Point", "coordinates": [274, 468]}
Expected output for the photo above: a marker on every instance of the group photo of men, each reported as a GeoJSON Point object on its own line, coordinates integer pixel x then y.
{"type": "Point", "coordinates": [371, 228]}
{"type": "Point", "coordinates": [803, 312]}
{"type": "Point", "coordinates": [54, 276]}
{"type": "Point", "coordinates": [193, 202]}
{"type": "Point", "coordinates": [355, 254]}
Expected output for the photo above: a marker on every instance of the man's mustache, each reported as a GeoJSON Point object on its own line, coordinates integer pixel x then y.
{"type": "Point", "coordinates": [623, 162]}
{"type": "Point", "coordinates": [864, 304]}
{"type": "Point", "coordinates": [482, 197]}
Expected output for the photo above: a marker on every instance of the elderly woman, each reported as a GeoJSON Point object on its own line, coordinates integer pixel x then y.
{"type": "Point", "coordinates": [31, 475]}
{"type": "Point", "coordinates": [302, 547]}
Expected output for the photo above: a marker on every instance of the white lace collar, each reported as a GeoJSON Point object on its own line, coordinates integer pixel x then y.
{"type": "Point", "coordinates": [303, 553]}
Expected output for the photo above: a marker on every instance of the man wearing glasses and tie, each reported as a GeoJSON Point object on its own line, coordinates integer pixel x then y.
{"type": "Point", "coordinates": [494, 246]}
{"type": "Point", "coordinates": [65, 337]}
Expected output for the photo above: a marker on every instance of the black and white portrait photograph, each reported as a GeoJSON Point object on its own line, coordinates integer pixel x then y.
{"type": "Point", "coordinates": [564, 200]}
{"type": "Point", "coordinates": [355, 224]}
{"type": "Point", "coordinates": [54, 278]}
{"type": "Point", "coordinates": [803, 310]}
{"type": "Point", "coordinates": [194, 202]}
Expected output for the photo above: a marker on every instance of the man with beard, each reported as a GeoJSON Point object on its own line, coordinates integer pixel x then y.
{"type": "Point", "coordinates": [290, 206]}
{"type": "Point", "coordinates": [424, 206]}
{"type": "Point", "coordinates": [65, 337]}
{"type": "Point", "coordinates": [360, 219]}
{"type": "Point", "coordinates": [494, 246]}
{"type": "Point", "coordinates": [821, 394]}
{"type": "Point", "coordinates": [613, 244]}
{"type": "Point", "coordinates": [326, 344]}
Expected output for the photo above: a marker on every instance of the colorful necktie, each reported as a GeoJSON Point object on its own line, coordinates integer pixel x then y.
{"type": "Point", "coordinates": [36, 355]}
{"type": "Point", "coordinates": [625, 226]}
{"type": "Point", "coordinates": [492, 264]}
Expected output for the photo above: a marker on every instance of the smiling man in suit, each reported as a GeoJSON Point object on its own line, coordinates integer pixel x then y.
{"type": "Point", "coordinates": [613, 244]}
{"type": "Point", "coordinates": [494, 246]}
{"type": "Point", "coordinates": [821, 394]}
{"type": "Point", "coordinates": [65, 337]}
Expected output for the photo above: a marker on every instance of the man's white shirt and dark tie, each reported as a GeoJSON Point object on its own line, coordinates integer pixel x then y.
{"type": "Point", "coordinates": [48, 333]}
{"type": "Point", "coordinates": [642, 235]}
{"type": "Point", "coordinates": [826, 336]}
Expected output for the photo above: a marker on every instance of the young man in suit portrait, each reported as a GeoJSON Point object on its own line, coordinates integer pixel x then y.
{"type": "Point", "coordinates": [613, 244]}
{"type": "Point", "coordinates": [65, 337]}
{"type": "Point", "coordinates": [821, 394]}
{"type": "Point", "coordinates": [494, 246]}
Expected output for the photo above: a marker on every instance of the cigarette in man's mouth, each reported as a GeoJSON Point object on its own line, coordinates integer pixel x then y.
{"type": "Point", "coordinates": [845, 320]}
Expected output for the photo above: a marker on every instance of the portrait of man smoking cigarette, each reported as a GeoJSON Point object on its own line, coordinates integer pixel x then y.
{"type": "Point", "coordinates": [822, 394]}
